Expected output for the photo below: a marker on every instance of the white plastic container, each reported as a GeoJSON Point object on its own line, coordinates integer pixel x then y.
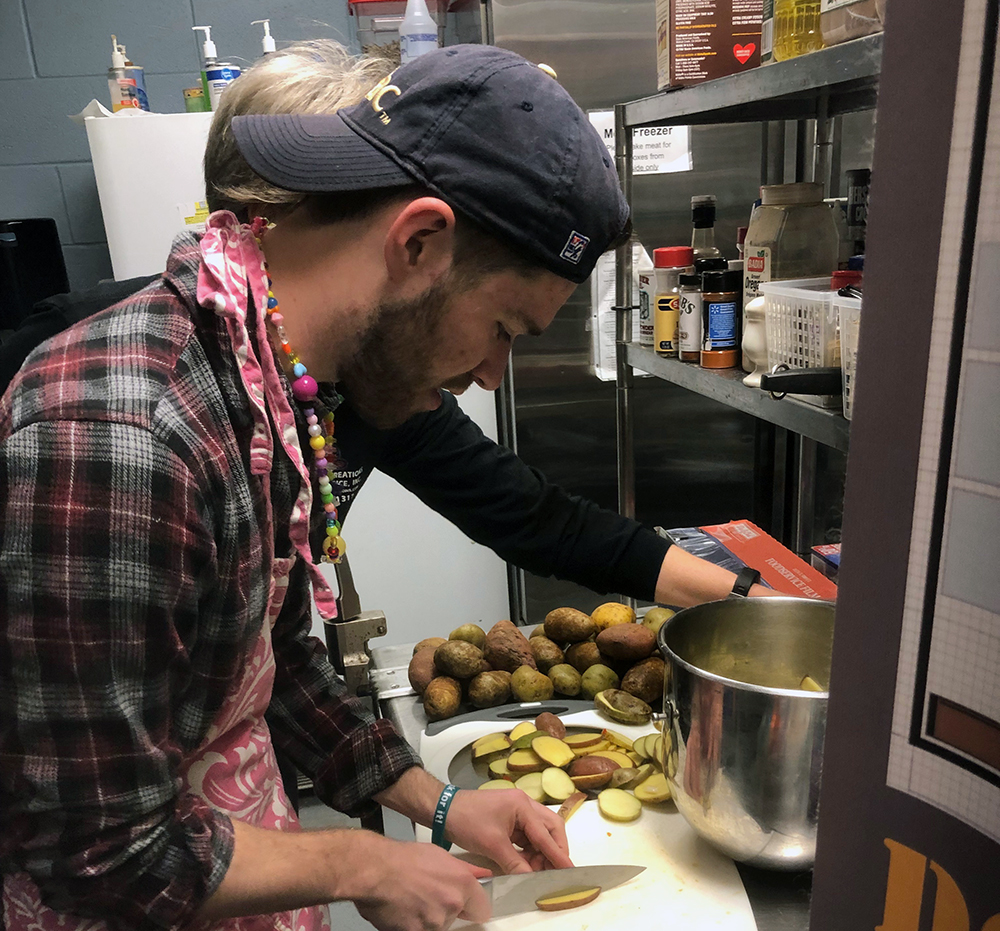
{"type": "Point", "coordinates": [646, 277]}
{"type": "Point", "coordinates": [802, 329]}
{"type": "Point", "coordinates": [418, 33]}
{"type": "Point", "coordinates": [849, 316]}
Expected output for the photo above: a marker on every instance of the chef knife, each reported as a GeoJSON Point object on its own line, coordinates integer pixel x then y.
{"type": "Point", "coordinates": [517, 893]}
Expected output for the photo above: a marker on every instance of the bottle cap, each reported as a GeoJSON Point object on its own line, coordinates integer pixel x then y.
{"type": "Point", "coordinates": [856, 263]}
{"type": "Point", "coordinates": [721, 282]}
{"type": "Point", "coordinates": [117, 53]}
{"type": "Point", "coordinates": [208, 50]}
{"type": "Point", "coordinates": [801, 192]}
{"type": "Point", "coordinates": [702, 200]}
{"type": "Point", "coordinates": [719, 359]}
{"type": "Point", "coordinates": [714, 264]}
{"type": "Point", "coordinates": [842, 277]}
{"type": "Point", "coordinates": [673, 257]}
{"type": "Point", "coordinates": [690, 281]}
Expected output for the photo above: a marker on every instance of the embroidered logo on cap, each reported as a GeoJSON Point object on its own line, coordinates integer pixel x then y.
{"type": "Point", "coordinates": [573, 250]}
{"type": "Point", "coordinates": [376, 94]}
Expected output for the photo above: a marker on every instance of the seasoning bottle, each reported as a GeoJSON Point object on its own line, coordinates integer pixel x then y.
{"type": "Point", "coordinates": [647, 297]}
{"type": "Point", "coordinates": [722, 309]}
{"type": "Point", "coordinates": [796, 28]}
{"type": "Point", "coordinates": [703, 221]}
{"type": "Point", "coordinates": [670, 264]}
{"type": "Point", "coordinates": [689, 323]}
{"type": "Point", "coordinates": [715, 264]}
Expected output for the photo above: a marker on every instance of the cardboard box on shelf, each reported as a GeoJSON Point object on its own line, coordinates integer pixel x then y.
{"type": "Point", "coordinates": [699, 40]}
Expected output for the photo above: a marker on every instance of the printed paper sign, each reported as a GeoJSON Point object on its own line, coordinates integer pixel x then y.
{"type": "Point", "coordinates": [655, 149]}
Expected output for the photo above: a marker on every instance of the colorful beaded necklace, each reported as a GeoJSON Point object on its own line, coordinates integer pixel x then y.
{"type": "Point", "coordinates": [321, 435]}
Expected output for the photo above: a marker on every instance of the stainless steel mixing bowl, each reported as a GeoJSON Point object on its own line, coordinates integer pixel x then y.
{"type": "Point", "coordinates": [745, 755]}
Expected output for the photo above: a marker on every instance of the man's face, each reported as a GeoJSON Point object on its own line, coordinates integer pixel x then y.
{"type": "Point", "coordinates": [447, 338]}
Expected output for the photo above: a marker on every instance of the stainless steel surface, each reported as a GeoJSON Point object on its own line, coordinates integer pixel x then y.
{"type": "Point", "coordinates": [347, 636]}
{"type": "Point", "coordinates": [805, 495]}
{"type": "Point", "coordinates": [783, 91]}
{"type": "Point", "coordinates": [511, 895]}
{"type": "Point", "coordinates": [746, 744]}
{"type": "Point", "coordinates": [726, 386]}
{"type": "Point", "coordinates": [780, 901]}
{"type": "Point", "coordinates": [391, 682]}
{"type": "Point", "coordinates": [507, 436]}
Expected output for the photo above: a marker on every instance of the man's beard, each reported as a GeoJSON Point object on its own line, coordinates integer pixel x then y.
{"type": "Point", "coordinates": [389, 371]}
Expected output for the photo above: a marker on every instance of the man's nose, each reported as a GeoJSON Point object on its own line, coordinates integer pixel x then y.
{"type": "Point", "coordinates": [489, 373]}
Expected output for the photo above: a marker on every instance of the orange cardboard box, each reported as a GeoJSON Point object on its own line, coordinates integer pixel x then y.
{"type": "Point", "coordinates": [778, 566]}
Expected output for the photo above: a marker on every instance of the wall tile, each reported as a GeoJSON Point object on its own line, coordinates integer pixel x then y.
{"type": "Point", "coordinates": [33, 191]}
{"type": "Point", "coordinates": [87, 265]}
{"type": "Point", "coordinates": [15, 56]}
{"type": "Point", "coordinates": [82, 203]}
{"type": "Point", "coordinates": [75, 38]}
{"type": "Point", "coordinates": [34, 115]}
{"type": "Point", "coordinates": [291, 21]}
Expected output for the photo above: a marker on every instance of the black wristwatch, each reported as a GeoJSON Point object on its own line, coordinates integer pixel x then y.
{"type": "Point", "coordinates": [745, 581]}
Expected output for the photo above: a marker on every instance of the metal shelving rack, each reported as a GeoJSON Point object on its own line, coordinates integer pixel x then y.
{"type": "Point", "coordinates": [820, 87]}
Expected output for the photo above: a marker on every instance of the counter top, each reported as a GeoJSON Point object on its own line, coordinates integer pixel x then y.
{"type": "Point", "coordinates": [780, 901]}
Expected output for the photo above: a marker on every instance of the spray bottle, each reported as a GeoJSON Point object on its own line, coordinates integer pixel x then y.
{"type": "Point", "coordinates": [125, 81]}
{"type": "Point", "coordinates": [418, 33]}
{"type": "Point", "coordinates": [267, 42]}
{"type": "Point", "coordinates": [216, 75]}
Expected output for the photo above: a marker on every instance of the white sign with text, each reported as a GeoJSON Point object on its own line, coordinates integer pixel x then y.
{"type": "Point", "coordinates": [655, 149]}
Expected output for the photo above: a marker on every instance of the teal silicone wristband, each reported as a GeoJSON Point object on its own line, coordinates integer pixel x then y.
{"type": "Point", "coordinates": [440, 814]}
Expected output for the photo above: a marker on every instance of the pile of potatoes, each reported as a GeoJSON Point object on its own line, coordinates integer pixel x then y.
{"type": "Point", "coordinates": [554, 767]}
{"type": "Point", "coordinates": [572, 654]}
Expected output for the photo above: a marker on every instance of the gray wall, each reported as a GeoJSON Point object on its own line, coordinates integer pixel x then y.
{"type": "Point", "coordinates": [54, 56]}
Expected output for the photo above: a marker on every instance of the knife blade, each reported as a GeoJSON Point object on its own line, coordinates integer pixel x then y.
{"type": "Point", "coordinates": [517, 893]}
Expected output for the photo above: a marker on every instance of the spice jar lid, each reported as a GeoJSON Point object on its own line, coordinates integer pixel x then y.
{"type": "Point", "coordinates": [721, 282]}
{"type": "Point", "coordinates": [714, 264]}
{"type": "Point", "coordinates": [673, 257]}
{"type": "Point", "coordinates": [690, 281]}
{"type": "Point", "coordinates": [801, 192]}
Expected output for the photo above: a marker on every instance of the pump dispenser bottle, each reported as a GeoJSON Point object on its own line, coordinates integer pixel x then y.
{"type": "Point", "coordinates": [267, 41]}
{"type": "Point", "coordinates": [216, 75]}
{"type": "Point", "coordinates": [418, 32]}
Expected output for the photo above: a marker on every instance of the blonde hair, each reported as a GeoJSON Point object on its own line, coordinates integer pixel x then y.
{"type": "Point", "coordinates": [319, 76]}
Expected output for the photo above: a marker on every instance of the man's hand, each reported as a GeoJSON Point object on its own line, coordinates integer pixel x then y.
{"type": "Point", "coordinates": [491, 823]}
{"type": "Point", "coordinates": [419, 887]}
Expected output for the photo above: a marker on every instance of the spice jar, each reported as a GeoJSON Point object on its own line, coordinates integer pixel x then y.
{"type": "Point", "coordinates": [670, 264]}
{"type": "Point", "coordinates": [689, 323]}
{"type": "Point", "coordinates": [722, 309]}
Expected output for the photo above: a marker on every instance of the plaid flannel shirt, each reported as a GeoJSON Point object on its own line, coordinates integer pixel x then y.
{"type": "Point", "coordinates": [135, 548]}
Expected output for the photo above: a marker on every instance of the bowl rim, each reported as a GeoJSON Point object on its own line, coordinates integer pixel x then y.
{"type": "Point", "coordinates": [725, 680]}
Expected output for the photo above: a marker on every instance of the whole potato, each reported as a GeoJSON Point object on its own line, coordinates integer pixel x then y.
{"type": "Point", "coordinates": [442, 698]}
{"type": "Point", "coordinates": [565, 679]}
{"type": "Point", "coordinates": [597, 679]}
{"type": "Point", "coordinates": [539, 631]}
{"type": "Point", "coordinates": [581, 656]}
{"type": "Point", "coordinates": [507, 648]}
{"type": "Point", "coordinates": [546, 653]}
{"type": "Point", "coordinates": [528, 684]}
{"type": "Point", "coordinates": [458, 659]}
{"type": "Point", "coordinates": [489, 689]}
{"type": "Point", "coordinates": [627, 642]}
{"type": "Point", "coordinates": [567, 625]}
{"type": "Point", "coordinates": [645, 680]}
{"type": "Point", "coordinates": [432, 642]}
{"type": "Point", "coordinates": [470, 633]}
{"type": "Point", "coordinates": [656, 617]}
{"type": "Point", "coordinates": [611, 613]}
{"type": "Point", "coordinates": [422, 670]}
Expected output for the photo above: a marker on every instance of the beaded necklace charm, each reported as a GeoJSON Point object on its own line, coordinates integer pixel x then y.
{"type": "Point", "coordinates": [321, 433]}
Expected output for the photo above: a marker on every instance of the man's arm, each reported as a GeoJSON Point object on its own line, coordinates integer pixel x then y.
{"type": "Point", "coordinates": [686, 580]}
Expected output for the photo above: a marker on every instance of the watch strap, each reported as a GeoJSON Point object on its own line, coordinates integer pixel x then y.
{"type": "Point", "coordinates": [745, 580]}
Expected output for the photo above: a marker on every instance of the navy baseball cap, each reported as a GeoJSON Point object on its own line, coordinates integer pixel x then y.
{"type": "Point", "coordinates": [492, 134]}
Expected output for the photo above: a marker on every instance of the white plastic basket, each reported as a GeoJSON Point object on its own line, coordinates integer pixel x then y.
{"type": "Point", "coordinates": [849, 314]}
{"type": "Point", "coordinates": [802, 330]}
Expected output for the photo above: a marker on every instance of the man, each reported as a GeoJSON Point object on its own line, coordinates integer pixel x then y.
{"type": "Point", "coordinates": [158, 467]}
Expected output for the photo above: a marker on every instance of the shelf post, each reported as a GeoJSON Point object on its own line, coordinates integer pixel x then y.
{"type": "Point", "coordinates": [623, 330]}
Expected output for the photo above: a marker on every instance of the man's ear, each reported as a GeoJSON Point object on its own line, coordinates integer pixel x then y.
{"type": "Point", "coordinates": [420, 243]}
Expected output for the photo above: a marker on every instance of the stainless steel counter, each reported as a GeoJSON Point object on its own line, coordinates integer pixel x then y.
{"type": "Point", "coordinates": [780, 901]}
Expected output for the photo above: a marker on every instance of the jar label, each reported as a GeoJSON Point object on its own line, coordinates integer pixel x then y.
{"type": "Point", "coordinates": [665, 324]}
{"type": "Point", "coordinates": [756, 268]}
{"type": "Point", "coordinates": [721, 319]}
{"type": "Point", "coordinates": [689, 324]}
{"type": "Point", "coordinates": [645, 310]}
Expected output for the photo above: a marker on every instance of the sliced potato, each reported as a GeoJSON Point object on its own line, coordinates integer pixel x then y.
{"type": "Point", "coordinates": [653, 789]}
{"type": "Point", "coordinates": [621, 707]}
{"type": "Point", "coordinates": [525, 727]}
{"type": "Point", "coordinates": [550, 723]}
{"type": "Point", "coordinates": [499, 743]}
{"type": "Point", "coordinates": [531, 785]}
{"type": "Point", "coordinates": [614, 755]}
{"type": "Point", "coordinates": [554, 751]}
{"type": "Point", "coordinates": [591, 772]}
{"type": "Point", "coordinates": [524, 741]}
{"type": "Point", "coordinates": [586, 739]}
{"type": "Point", "coordinates": [556, 784]}
{"type": "Point", "coordinates": [619, 740]}
{"type": "Point", "coordinates": [639, 746]}
{"type": "Point", "coordinates": [499, 770]}
{"type": "Point", "coordinates": [498, 784]}
{"type": "Point", "coordinates": [571, 899]}
{"type": "Point", "coordinates": [642, 773]}
{"type": "Point", "coordinates": [594, 748]}
{"type": "Point", "coordinates": [809, 684]}
{"type": "Point", "coordinates": [622, 778]}
{"type": "Point", "coordinates": [567, 808]}
{"type": "Point", "coordinates": [634, 757]}
{"type": "Point", "coordinates": [656, 750]}
{"type": "Point", "coordinates": [619, 805]}
{"type": "Point", "coordinates": [525, 761]}
{"type": "Point", "coordinates": [481, 740]}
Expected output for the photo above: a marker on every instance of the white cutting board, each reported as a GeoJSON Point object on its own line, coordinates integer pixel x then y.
{"type": "Point", "coordinates": [687, 883]}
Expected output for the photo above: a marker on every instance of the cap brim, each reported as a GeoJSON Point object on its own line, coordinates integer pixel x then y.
{"type": "Point", "coordinates": [314, 154]}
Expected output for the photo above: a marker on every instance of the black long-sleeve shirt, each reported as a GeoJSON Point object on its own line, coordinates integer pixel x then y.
{"type": "Point", "coordinates": [445, 460]}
